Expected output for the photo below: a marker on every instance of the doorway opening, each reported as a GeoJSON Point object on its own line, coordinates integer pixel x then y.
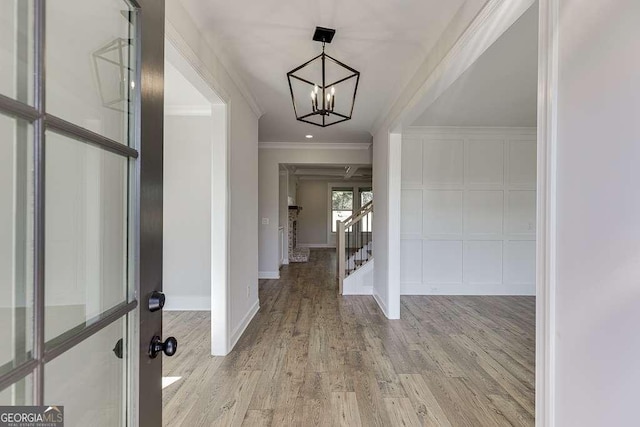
{"type": "Point", "coordinates": [468, 218]}
{"type": "Point", "coordinates": [195, 206]}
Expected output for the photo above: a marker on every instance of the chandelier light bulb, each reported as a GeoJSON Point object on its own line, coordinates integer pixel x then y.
{"type": "Point", "coordinates": [333, 90]}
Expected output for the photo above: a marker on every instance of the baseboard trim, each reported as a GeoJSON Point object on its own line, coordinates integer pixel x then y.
{"type": "Point", "coordinates": [381, 304]}
{"type": "Point", "coordinates": [239, 330]}
{"type": "Point", "coordinates": [268, 274]}
{"type": "Point", "coordinates": [188, 303]}
{"type": "Point", "coordinates": [361, 290]}
{"type": "Point", "coordinates": [417, 288]}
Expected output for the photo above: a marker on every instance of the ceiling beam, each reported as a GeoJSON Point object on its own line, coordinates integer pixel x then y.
{"type": "Point", "coordinates": [351, 170]}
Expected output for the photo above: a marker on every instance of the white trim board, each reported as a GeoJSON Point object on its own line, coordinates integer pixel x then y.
{"type": "Point", "coordinates": [246, 320]}
{"type": "Point", "coordinates": [381, 303]}
{"type": "Point", "coordinates": [418, 288]}
{"type": "Point", "coordinates": [548, 62]}
{"type": "Point", "coordinates": [314, 145]}
{"type": "Point", "coordinates": [470, 130]}
{"type": "Point", "coordinates": [269, 274]}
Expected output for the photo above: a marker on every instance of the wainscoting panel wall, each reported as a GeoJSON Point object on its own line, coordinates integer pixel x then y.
{"type": "Point", "coordinates": [468, 211]}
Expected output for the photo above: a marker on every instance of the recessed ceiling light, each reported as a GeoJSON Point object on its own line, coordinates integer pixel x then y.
{"type": "Point", "coordinates": [308, 136]}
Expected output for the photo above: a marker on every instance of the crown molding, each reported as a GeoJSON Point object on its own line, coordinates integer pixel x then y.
{"type": "Point", "coordinates": [183, 47]}
{"type": "Point", "coordinates": [467, 130]}
{"type": "Point", "coordinates": [314, 145]}
{"type": "Point", "coordinates": [234, 75]}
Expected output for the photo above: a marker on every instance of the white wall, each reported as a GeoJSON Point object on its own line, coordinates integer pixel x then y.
{"type": "Point", "coordinates": [186, 264]}
{"type": "Point", "coordinates": [386, 222]}
{"type": "Point", "coordinates": [271, 156]}
{"type": "Point", "coordinates": [243, 167]}
{"type": "Point", "coordinates": [468, 211]}
{"type": "Point", "coordinates": [597, 291]}
{"type": "Point", "coordinates": [313, 219]}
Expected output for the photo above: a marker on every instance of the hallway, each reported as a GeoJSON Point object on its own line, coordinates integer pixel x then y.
{"type": "Point", "coordinates": [311, 358]}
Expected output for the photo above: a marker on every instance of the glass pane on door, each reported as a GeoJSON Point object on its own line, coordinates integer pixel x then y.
{"type": "Point", "coordinates": [18, 393]}
{"type": "Point", "coordinates": [16, 242]}
{"type": "Point", "coordinates": [90, 64]}
{"type": "Point", "coordinates": [85, 233]}
{"type": "Point", "coordinates": [89, 380]}
{"type": "Point", "coordinates": [16, 50]}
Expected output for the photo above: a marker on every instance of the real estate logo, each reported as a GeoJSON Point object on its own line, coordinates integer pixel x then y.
{"type": "Point", "coordinates": [31, 416]}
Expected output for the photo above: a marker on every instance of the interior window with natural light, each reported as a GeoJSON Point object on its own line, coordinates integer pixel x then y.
{"type": "Point", "coordinates": [341, 206]}
{"type": "Point", "coordinates": [366, 195]}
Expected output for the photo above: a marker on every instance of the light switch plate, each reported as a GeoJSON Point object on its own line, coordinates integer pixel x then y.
{"type": "Point", "coordinates": [265, 221]}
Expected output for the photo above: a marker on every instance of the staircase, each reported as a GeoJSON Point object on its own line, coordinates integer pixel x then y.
{"type": "Point", "coordinates": [353, 243]}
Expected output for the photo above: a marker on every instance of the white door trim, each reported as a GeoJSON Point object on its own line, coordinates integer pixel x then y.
{"type": "Point", "coordinates": [196, 72]}
{"type": "Point", "coordinates": [546, 212]}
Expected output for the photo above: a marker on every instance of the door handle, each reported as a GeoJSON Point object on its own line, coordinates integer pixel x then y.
{"type": "Point", "coordinates": [169, 347]}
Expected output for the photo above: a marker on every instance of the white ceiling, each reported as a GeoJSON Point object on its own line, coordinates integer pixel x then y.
{"type": "Point", "coordinates": [500, 88]}
{"type": "Point", "coordinates": [386, 40]}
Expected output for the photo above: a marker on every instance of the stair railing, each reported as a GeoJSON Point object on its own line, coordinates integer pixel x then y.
{"type": "Point", "coordinates": [354, 244]}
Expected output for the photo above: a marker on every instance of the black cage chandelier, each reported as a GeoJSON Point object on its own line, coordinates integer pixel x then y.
{"type": "Point", "coordinates": [323, 89]}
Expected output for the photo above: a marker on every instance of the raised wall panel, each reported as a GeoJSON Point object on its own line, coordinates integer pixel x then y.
{"type": "Point", "coordinates": [520, 262]}
{"type": "Point", "coordinates": [468, 212]}
{"type": "Point", "coordinates": [483, 212]}
{"type": "Point", "coordinates": [411, 161]}
{"type": "Point", "coordinates": [522, 163]}
{"type": "Point", "coordinates": [483, 262]}
{"type": "Point", "coordinates": [521, 212]}
{"type": "Point", "coordinates": [442, 212]}
{"type": "Point", "coordinates": [443, 162]}
{"type": "Point", "coordinates": [485, 163]}
{"type": "Point", "coordinates": [411, 212]}
{"type": "Point", "coordinates": [442, 261]}
{"type": "Point", "coordinates": [411, 261]}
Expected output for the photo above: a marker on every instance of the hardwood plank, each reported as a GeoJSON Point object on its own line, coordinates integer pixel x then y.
{"type": "Point", "coordinates": [258, 418]}
{"type": "Point", "coordinates": [344, 408]}
{"type": "Point", "coordinates": [401, 412]}
{"type": "Point", "coordinates": [310, 357]}
{"type": "Point", "coordinates": [424, 401]}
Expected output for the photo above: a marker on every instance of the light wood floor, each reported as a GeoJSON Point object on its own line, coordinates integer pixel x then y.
{"type": "Point", "coordinates": [311, 358]}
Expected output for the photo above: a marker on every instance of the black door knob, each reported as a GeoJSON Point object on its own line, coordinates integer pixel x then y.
{"type": "Point", "coordinates": [169, 346]}
{"type": "Point", "coordinates": [156, 301]}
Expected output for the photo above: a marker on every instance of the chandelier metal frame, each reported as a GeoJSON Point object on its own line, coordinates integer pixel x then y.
{"type": "Point", "coordinates": [322, 90]}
